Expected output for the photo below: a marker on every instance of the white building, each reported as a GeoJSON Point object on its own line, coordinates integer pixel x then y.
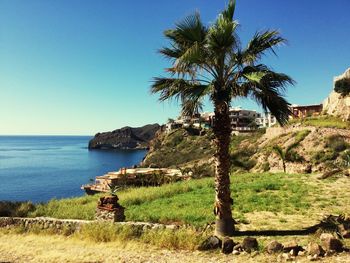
{"type": "Point", "coordinates": [266, 121]}
{"type": "Point", "coordinates": [241, 120]}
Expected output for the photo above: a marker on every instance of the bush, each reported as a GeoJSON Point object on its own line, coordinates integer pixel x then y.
{"type": "Point", "coordinates": [266, 167]}
{"type": "Point", "coordinates": [342, 86]}
{"type": "Point", "coordinates": [16, 209]}
{"type": "Point", "coordinates": [293, 156]}
{"type": "Point", "coordinates": [336, 143]}
{"type": "Point", "coordinates": [242, 159]}
{"type": "Point", "coordinates": [324, 156]}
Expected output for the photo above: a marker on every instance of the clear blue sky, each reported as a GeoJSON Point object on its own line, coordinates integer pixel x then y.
{"type": "Point", "coordinates": [79, 67]}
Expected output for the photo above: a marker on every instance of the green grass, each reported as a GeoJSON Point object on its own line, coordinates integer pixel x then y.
{"type": "Point", "coordinates": [323, 122]}
{"type": "Point", "coordinates": [191, 202]}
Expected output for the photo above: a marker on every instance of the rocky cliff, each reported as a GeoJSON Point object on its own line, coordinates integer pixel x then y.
{"type": "Point", "coordinates": [125, 138]}
{"type": "Point", "coordinates": [336, 104]}
{"type": "Point", "coordinates": [312, 149]}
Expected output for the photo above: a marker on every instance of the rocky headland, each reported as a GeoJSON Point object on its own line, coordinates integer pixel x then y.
{"type": "Point", "coordinates": [125, 138]}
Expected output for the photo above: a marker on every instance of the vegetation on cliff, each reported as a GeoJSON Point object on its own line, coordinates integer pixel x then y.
{"type": "Point", "coordinates": [313, 145]}
{"type": "Point", "coordinates": [179, 148]}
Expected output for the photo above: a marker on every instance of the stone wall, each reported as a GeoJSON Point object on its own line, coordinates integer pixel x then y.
{"type": "Point", "coordinates": [44, 223]}
{"type": "Point", "coordinates": [116, 215]}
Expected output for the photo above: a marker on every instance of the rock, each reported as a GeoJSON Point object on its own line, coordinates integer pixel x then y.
{"type": "Point", "coordinates": [325, 236]}
{"type": "Point", "coordinates": [210, 243]}
{"type": "Point", "coordinates": [332, 244]}
{"type": "Point", "coordinates": [315, 249]}
{"type": "Point", "coordinates": [238, 247]}
{"type": "Point", "coordinates": [274, 247]}
{"type": "Point", "coordinates": [125, 138]}
{"type": "Point", "coordinates": [292, 246]}
{"type": "Point", "coordinates": [344, 230]}
{"type": "Point", "coordinates": [227, 246]}
{"type": "Point", "coordinates": [249, 244]}
{"type": "Point", "coordinates": [307, 169]}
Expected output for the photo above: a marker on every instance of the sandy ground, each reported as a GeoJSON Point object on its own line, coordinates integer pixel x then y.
{"type": "Point", "coordinates": [38, 248]}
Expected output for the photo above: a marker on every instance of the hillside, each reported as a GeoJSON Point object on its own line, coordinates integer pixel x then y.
{"type": "Point", "coordinates": [316, 145]}
{"type": "Point", "coordinates": [125, 138]}
{"type": "Point", "coordinates": [181, 148]}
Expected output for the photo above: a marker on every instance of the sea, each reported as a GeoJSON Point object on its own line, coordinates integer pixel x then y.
{"type": "Point", "coordinates": [40, 168]}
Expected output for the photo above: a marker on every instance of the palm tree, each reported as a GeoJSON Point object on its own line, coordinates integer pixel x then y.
{"type": "Point", "coordinates": [208, 62]}
{"type": "Point", "coordinates": [282, 154]}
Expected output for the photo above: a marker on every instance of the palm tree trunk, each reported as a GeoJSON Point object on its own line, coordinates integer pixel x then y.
{"type": "Point", "coordinates": [222, 130]}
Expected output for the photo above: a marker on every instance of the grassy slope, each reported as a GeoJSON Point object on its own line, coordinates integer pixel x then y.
{"type": "Point", "coordinates": [263, 200]}
{"type": "Point", "coordinates": [323, 121]}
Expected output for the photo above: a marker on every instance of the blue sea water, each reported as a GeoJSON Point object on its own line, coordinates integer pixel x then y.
{"type": "Point", "coordinates": [39, 168]}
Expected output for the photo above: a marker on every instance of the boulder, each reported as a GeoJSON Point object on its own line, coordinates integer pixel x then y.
{"type": "Point", "coordinates": [210, 243]}
{"type": "Point", "coordinates": [274, 247]}
{"type": "Point", "coordinates": [315, 249]}
{"type": "Point", "coordinates": [332, 244]}
{"type": "Point", "coordinates": [344, 230]}
{"type": "Point", "coordinates": [249, 244]}
{"type": "Point", "coordinates": [227, 246]}
{"type": "Point", "coordinates": [292, 247]}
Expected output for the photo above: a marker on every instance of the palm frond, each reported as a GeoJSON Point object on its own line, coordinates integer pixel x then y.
{"type": "Point", "coordinates": [177, 88]}
{"type": "Point", "coordinates": [191, 106]}
{"type": "Point", "coordinates": [278, 149]}
{"type": "Point", "coordinates": [266, 88]}
{"type": "Point", "coordinates": [229, 12]}
{"type": "Point", "coordinates": [261, 43]}
{"type": "Point", "coordinates": [171, 53]}
{"type": "Point", "coordinates": [221, 36]}
{"type": "Point", "coordinates": [187, 31]}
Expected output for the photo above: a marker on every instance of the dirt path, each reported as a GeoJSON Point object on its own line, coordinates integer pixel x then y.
{"type": "Point", "coordinates": [34, 248]}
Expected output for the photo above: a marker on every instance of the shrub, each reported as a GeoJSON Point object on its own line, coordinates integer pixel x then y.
{"type": "Point", "coordinates": [242, 159]}
{"type": "Point", "coordinates": [342, 86]}
{"type": "Point", "coordinates": [324, 156]}
{"type": "Point", "coordinates": [266, 167]}
{"type": "Point", "coordinates": [16, 209]}
{"type": "Point", "coordinates": [293, 156]}
{"type": "Point", "coordinates": [336, 143]}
